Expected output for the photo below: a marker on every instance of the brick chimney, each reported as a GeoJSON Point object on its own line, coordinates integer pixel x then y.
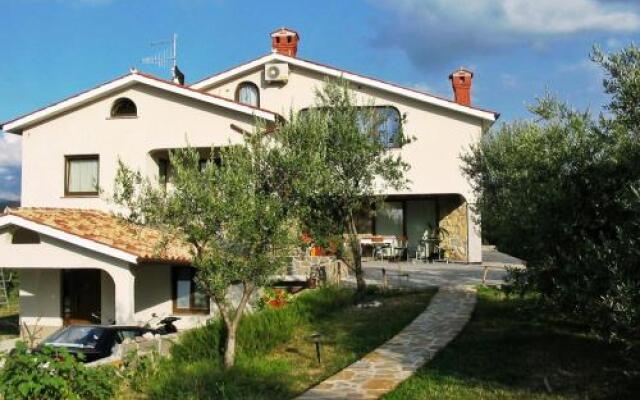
{"type": "Point", "coordinates": [285, 41]}
{"type": "Point", "coordinates": [461, 80]}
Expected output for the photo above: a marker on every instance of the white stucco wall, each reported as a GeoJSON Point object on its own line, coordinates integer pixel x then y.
{"type": "Point", "coordinates": [164, 121]}
{"type": "Point", "coordinates": [441, 135]}
{"type": "Point", "coordinates": [40, 297]}
{"type": "Point", "coordinates": [170, 121]}
{"type": "Point", "coordinates": [154, 296]}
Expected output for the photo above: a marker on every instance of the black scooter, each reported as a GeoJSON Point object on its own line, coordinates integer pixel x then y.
{"type": "Point", "coordinates": [165, 326]}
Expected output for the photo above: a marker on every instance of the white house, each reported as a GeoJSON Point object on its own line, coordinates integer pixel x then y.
{"type": "Point", "coordinates": [77, 260]}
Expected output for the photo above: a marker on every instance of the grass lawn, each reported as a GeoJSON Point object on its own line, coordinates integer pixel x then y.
{"type": "Point", "coordinates": [507, 351]}
{"type": "Point", "coordinates": [276, 360]}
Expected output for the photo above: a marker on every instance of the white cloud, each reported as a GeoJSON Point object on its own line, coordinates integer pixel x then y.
{"type": "Point", "coordinates": [10, 151]}
{"type": "Point", "coordinates": [567, 16]}
{"type": "Point", "coordinates": [525, 16]}
{"type": "Point", "coordinates": [432, 31]}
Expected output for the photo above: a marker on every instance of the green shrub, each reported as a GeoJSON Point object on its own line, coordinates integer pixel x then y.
{"type": "Point", "coordinates": [138, 370]}
{"type": "Point", "coordinates": [53, 374]}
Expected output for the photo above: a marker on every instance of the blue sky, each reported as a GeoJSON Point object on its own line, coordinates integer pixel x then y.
{"type": "Point", "coordinates": [517, 48]}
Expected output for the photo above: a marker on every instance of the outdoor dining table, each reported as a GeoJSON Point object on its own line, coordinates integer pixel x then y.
{"type": "Point", "coordinates": [375, 241]}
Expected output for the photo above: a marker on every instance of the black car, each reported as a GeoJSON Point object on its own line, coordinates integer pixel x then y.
{"type": "Point", "coordinates": [93, 342]}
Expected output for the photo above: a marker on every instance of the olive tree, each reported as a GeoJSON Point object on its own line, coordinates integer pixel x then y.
{"type": "Point", "coordinates": [562, 190]}
{"type": "Point", "coordinates": [236, 224]}
{"type": "Point", "coordinates": [342, 168]}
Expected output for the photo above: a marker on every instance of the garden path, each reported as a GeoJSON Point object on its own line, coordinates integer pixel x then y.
{"type": "Point", "coordinates": [386, 367]}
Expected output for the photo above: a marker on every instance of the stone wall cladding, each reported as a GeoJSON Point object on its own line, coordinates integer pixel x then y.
{"type": "Point", "coordinates": [334, 269]}
{"type": "Point", "coordinates": [142, 346]}
{"type": "Point", "coordinates": [454, 218]}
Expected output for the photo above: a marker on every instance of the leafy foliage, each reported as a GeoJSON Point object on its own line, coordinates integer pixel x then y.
{"type": "Point", "coordinates": [342, 167]}
{"type": "Point", "coordinates": [232, 215]}
{"type": "Point", "coordinates": [562, 192]}
{"type": "Point", "coordinates": [53, 374]}
{"type": "Point", "coordinates": [137, 370]}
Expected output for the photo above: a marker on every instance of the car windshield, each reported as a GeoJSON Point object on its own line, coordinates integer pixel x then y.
{"type": "Point", "coordinates": [84, 337]}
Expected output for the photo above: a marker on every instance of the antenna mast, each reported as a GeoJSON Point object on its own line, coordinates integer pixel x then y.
{"type": "Point", "coordinates": [167, 57]}
{"type": "Point", "coordinates": [175, 50]}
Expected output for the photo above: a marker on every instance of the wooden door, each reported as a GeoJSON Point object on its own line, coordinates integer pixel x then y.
{"type": "Point", "coordinates": [81, 296]}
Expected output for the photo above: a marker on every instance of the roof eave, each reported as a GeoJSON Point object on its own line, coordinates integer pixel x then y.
{"type": "Point", "coordinates": [367, 81]}
{"type": "Point", "coordinates": [17, 125]}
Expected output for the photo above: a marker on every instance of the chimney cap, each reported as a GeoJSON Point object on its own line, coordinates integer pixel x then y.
{"type": "Point", "coordinates": [461, 71]}
{"type": "Point", "coordinates": [284, 31]}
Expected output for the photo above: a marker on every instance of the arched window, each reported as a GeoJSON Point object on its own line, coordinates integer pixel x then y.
{"type": "Point", "coordinates": [382, 122]}
{"type": "Point", "coordinates": [390, 126]}
{"type": "Point", "coordinates": [25, 236]}
{"type": "Point", "coordinates": [124, 107]}
{"type": "Point", "coordinates": [248, 93]}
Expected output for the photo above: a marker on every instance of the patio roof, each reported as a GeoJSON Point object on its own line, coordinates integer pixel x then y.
{"type": "Point", "coordinates": [100, 231]}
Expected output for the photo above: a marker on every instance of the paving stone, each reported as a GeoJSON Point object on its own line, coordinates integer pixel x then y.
{"type": "Point", "coordinates": [384, 368]}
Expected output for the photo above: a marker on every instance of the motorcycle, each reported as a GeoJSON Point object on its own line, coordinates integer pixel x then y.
{"type": "Point", "coordinates": [165, 325]}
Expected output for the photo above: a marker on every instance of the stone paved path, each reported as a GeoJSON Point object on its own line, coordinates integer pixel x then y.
{"type": "Point", "coordinates": [387, 366]}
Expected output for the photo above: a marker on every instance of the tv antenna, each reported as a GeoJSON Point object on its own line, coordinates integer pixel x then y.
{"type": "Point", "coordinates": [166, 57]}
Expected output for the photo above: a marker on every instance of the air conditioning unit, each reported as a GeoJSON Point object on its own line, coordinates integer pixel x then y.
{"type": "Point", "coordinates": [276, 72]}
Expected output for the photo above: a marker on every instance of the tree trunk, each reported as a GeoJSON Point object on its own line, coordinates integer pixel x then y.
{"type": "Point", "coordinates": [356, 250]}
{"type": "Point", "coordinates": [230, 348]}
{"type": "Point", "coordinates": [231, 324]}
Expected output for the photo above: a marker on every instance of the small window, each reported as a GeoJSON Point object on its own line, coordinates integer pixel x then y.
{"type": "Point", "coordinates": [187, 299]}
{"type": "Point", "coordinates": [124, 107]}
{"type": "Point", "coordinates": [25, 236]}
{"type": "Point", "coordinates": [81, 175]}
{"type": "Point", "coordinates": [248, 93]}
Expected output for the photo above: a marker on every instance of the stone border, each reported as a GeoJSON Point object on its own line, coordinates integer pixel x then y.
{"type": "Point", "coordinates": [383, 369]}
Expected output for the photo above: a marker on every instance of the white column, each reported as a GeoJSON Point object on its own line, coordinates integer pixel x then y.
{"type": "Point", "coordinates": [474, 240]}
{"type": "Point", "coordinates": [124, 282]}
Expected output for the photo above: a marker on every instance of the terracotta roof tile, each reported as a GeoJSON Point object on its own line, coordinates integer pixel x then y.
{"type": "Point", "coordinates": [110, 230]}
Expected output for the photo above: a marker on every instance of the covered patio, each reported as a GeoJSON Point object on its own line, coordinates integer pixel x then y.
{"type": "Point", "coordinates": [86, 266]}
{"type": "Point", "coordinates": [422, 227]}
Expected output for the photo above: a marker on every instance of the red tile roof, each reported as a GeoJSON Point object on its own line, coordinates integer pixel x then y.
{"type": "Point", "coordinates": [108, 229]}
